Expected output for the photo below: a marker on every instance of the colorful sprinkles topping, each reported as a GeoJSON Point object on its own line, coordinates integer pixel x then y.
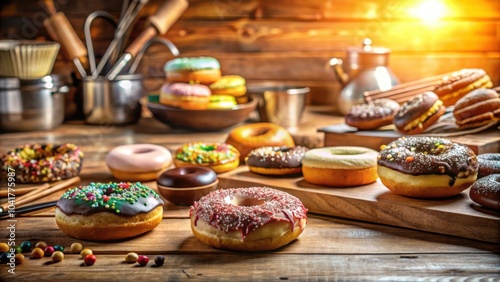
{"type": "Point", "coordinates": [199, 153]}
{"type": "Point", "coordinates": [124, 197]}
{"type": "Point", "coordinates": [43, 162]}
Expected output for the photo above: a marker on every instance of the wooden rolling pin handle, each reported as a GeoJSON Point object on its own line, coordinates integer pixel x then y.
{"type": "Point", "coordinates": [141, 40]}
{"type": "Point", "coordinates": [66, 35]}
{"type": "Point", "coordinates": [167, 14]}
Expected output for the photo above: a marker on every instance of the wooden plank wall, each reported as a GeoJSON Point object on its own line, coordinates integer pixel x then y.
{"type": "Point", "coordinates": [290, 41]}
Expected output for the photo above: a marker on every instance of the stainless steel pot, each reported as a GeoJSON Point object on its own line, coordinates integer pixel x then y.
{"type": "Point", "coordinates": [31, 104]}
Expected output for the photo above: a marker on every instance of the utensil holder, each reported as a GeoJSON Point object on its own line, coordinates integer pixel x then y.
{"type": "Point", "coordinates": [113, 102]}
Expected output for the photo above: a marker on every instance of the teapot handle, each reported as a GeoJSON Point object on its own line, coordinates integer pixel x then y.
{"type": "Point", "coordinates": [336, 65]}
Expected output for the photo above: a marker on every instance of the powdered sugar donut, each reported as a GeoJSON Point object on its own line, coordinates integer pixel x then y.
{"type": "Point", "coordinates": [138, 162]}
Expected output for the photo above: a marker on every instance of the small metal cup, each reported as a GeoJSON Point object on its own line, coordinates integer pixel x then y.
{"type": "Point", "coordinates": [282, 105]}
{"type": "Point", "coordinates": [113, 102]}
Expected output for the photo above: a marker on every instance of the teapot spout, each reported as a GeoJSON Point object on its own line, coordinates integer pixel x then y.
{"type": "Point", "coordinates": [336, 65]}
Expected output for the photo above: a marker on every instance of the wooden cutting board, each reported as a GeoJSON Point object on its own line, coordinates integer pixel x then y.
{"type": "Point", "coordinates": [487, 141]}
{"type": "Point", "coordinates": [457, 216]}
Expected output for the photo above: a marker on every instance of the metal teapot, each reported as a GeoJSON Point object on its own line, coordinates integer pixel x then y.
{"type": "Point", "coordinates": [366, 69]}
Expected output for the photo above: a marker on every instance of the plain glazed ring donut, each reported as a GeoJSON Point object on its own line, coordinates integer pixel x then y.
{"type": "Point", "coordinates": [276, 160]}
{"type": "Point", "coordinates": [486, 191]}
{"type": "Point", "coordinates": [427, 167]}
{"type": "Point", "coordinates": [138, 162]}
{"type": "Point", "coordinates": [108, 211]}
{"type": "Point", "coordinates": [220, 157]}
{"type": "Point", "coordinates": [248, 219]}
{"type": "Point", "coordinates": [488, 164]}
{"type": "Point", "coordinates": [247, 137]}
{"type": "Point", "coordinates": [342, 166]}
{"type": "Point", "coordinates": [37, 163]}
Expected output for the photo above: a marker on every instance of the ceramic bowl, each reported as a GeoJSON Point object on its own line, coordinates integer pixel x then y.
{"type": "Point", "coordinates": [186, 196]}
{"type": "Point", "coordinates": [200, 120]}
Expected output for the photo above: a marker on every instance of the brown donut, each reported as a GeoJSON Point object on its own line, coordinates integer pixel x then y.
{"type": "Point", "coordinates": [418, 113]}
{"type": "Point", "coordinates": [486, 192]}
{"type": "Point", "coordinates": [280, 160]}
{"type": "Point", "coordinates": [454, 86]}
{"type": "Point", "coordinates": [427, 167]}
{"type": "Point", "coordinates": [187, 176]}
{"type": "Point", "coordinates": [373, 114]}
{"type": "Point", "coordinates": [488, 164]}
{"type": "Point", "coordinates": [476, 108]}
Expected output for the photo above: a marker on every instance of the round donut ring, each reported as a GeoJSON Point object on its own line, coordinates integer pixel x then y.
{"type": "Point", "coordinates": [247, 137]}
{"type": "Point", "coordinates": [341, 166]}
{"type": "Point", "coordinates": [281, 160]}
{"type": "Point", "coordinates": [138, 162]}
{"type": "Point", "coordinates": [488, 164]}
{"type": "Point", "coordinates": [35, 163]}
{"type": "Point", "coordinates": [187, 177]}
{"type": "Point", "coordinates": [248, 219]}
{"type": "Point", "coordinates": [486, 191]}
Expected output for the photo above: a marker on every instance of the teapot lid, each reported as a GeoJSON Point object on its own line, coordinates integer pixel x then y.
{"type": "Point", "coordinates": [367, 48]}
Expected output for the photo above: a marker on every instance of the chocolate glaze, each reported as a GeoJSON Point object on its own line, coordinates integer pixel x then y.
{"type": "Point", "coordinates": [414, 108]}
{"type": "Point", "coordinates": [186, 177]}
{"type": "Point", "coordinates": [429, 155]}
{"type": "Point", "coordinates": [486, 191]}
{"type": "Point", "coordinates": [90, 199]}
{"type": "Point", "coordinates": [276, 157]}
{"type": "Point", "coordinates": [375, 109]}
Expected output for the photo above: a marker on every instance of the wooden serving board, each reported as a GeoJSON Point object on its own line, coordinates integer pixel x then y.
{"type": "Point", "coordinates": [487, 141]}
{"type": "Point", "coordinates": [457, 216]}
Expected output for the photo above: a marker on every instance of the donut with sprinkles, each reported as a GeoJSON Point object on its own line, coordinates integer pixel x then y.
{"type": "Point", "coordinates": [248, 219]}
{"type": "Point", "coordinates": [37, 163]}
{"type": "Point", "coordinates": [220, 157]}
{"type": "Point", "coordinates": [108, 211]}
{"type": "Point", "coordinates": [279, 160]}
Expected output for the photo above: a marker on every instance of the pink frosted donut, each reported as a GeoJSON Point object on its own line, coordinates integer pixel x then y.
{"type": "Point", "coordinates": [138, 162]}
{"type": "Point", "coordinates": [185, 95]}
{"type": "Point", "coordinates": [248, 219]}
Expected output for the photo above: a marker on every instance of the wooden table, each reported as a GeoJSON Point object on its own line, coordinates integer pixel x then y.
{"type": "Point", "coordinates": [330, 248]}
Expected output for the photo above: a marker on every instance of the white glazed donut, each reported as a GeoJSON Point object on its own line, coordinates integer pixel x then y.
{"type": "Point", "coordinates": [341, 166]}
{"type": "Point", "coordinates": [138, 162]}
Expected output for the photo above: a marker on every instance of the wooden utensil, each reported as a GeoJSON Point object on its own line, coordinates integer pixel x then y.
{"type": "Point", "coordinates": [41, 192]}
{"type": "Point", "coordinates": [22, 191]}
{"type": "Point", "coordinates": [60, 29]}
{"type": "Point", "coordinates": [159, 23]}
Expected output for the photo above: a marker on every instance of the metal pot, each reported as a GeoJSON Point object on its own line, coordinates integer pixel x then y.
{"type": "Point", "coordinates": [31, 104]}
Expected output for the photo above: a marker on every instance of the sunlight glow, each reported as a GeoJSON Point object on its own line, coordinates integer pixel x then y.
{"type": "Point", "coordinates": [429, 11]}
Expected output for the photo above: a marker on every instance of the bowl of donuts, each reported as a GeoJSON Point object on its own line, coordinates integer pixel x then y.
{"type": "Point", "coordinates": [457, 103]}
{"type": "Point", "coordinates": [198, 97]}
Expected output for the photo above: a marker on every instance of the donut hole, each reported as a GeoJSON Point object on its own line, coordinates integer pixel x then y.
{"type": "Point", "coordinates": [142, 151]}
{"type": "Point", "coordinates": [261, 131]}
{"type": "Point", "coordinates": [242, 201]}
{"type": "Point", "coordinates": [346, 152]}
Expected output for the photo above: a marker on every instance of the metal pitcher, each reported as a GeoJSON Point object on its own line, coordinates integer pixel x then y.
{"type": "Point", "coordinates": [366, 69]}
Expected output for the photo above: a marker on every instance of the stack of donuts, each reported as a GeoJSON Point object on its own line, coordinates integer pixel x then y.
{"type": "Point", "coordinates": [467, 91]}
{"type": "Point", "coordinates": [196, 83]}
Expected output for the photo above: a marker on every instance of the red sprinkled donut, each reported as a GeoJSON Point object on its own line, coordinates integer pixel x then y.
{"type": "Point", "coordinates": [248, 219]}
{"type": "Point", "coordinates": [37, 163]}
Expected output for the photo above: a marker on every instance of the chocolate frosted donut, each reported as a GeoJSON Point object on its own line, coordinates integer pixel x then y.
{"type": "Point", "coordinates": [186, 177]}
{"type": "Point", "coordinates": [373, 114]}
{"type": "Point", "coordinates": [278, 160]}
{"type": "Point", "coordinates": [108, 211]}
{"type": "Point", "coordinates": [477, 108]}
{"type": "Point", "coordinates": [488, 164]}
{"type": "Point", "coordinates": [418, 113]}
{"type": "Point", "coordinates": [427, 167]}
{"type": "Point", "coordinates": [486, 192]}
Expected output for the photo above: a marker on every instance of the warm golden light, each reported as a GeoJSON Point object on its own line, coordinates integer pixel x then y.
{"type": "Point", "coordinates": [429, 11]}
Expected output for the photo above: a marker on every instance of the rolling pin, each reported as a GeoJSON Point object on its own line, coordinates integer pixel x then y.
{"type": "Point", "coordinates": [60, 29]}
{"type": "Point", "coordinates": [159, 23]}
